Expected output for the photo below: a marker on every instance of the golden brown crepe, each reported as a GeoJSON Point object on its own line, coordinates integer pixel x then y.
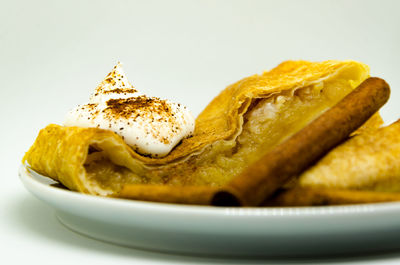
{"type": "Point", "coordinates": [238, 127]}
{"type": "Point", "coordinates": [368, 161]}
{"type": "Point", "coordinates": [261, 179]}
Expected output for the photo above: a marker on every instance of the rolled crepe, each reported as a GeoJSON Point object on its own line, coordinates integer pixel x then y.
{"type": "Point", "coordinates": [368, 161]}
{"type": "Point", "coordinates": [287, 160]}
{"type": "Point", "coordinates": [243, 123]}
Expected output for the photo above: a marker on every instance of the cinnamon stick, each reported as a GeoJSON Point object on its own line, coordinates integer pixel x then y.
{"type": "Point", "coordinates": [200, 195]}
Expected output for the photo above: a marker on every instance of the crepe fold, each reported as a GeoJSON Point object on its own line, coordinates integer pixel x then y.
{"type": "Point", "coordinates": [368, 161]}
{"type": "Point", "coordinates": [237, 127]}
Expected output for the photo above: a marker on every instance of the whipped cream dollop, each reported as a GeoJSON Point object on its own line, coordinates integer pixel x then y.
{"type": "Point", "coordinates": [151, 126]}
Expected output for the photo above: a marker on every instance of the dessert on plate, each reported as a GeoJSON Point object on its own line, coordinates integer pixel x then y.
{"type": "Point", "coordinates": [125, 144]}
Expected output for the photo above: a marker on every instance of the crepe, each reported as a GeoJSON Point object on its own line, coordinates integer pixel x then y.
{"type": "Point", "coordinates": [368, 161]}
{"type": "Point", "coordinates": [238, 127]}
{"type": "Point", "coordinates": [261, 179]}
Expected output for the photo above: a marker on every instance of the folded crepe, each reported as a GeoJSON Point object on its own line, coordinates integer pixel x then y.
{"type": "Point", "coordinates": [238, 127]}
{"type": "Point", "coordinates": [368, 161]}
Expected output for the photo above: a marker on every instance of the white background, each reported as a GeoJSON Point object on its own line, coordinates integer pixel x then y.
{"type": "Point", "coordinates": [53, 54]}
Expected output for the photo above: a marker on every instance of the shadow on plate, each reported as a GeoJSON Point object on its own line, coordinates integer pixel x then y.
{"type": "Point", "coordinates": [37, 219]}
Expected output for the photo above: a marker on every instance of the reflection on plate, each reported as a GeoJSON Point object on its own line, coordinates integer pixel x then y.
{"type": "Point", "coordinates": [205, 230]}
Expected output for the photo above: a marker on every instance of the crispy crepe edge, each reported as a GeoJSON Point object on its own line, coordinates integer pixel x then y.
{"type": "Point", "coordinates": [322, 197]}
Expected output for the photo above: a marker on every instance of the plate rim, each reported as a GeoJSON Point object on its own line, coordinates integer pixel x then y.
{"type": "Point", "coordinates": [28, 178]}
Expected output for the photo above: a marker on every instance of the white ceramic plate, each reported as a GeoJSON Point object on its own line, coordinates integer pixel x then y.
{"type": "Point", "coordinates": [228, 231]}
